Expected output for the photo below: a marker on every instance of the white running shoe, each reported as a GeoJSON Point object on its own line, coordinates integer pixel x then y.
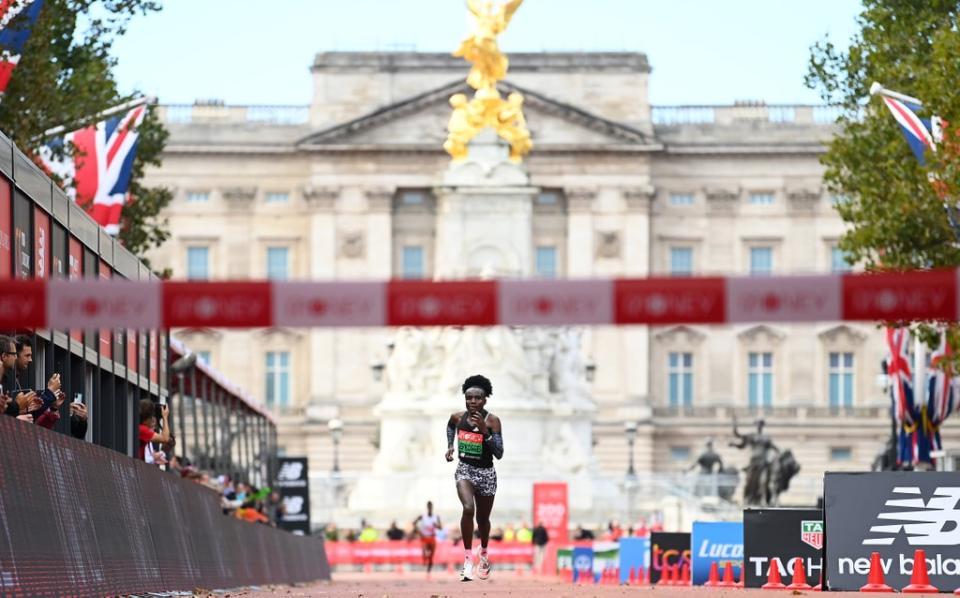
{"type": "Point", "coordinates": [483, 568]}
{"type": "Point", "coordinates": [466, 574]}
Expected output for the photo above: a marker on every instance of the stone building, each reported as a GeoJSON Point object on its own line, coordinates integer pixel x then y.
{"type": "Point", "coordinates": [343, 189]}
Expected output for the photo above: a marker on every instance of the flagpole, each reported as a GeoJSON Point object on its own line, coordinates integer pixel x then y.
{"type": "Point", "coordinates": [877, 89]}
{"type": "Point", "coordinates": [108, 112]}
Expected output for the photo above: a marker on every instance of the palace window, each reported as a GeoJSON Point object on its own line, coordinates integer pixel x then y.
{"type": "Point", "coordinates": [840, 379]}
{"type": "Point", "coordinates": [761, 261]}
{"type": "Point", "coordinates": [681, 199]}
{"type": "Point", "coordinates": [278, 378]}
{"type": "Point", "coordinates": [759, 379]}
{"type": "Point", "coordinates": [680, 453]}
{"type": "Point", "coordinates": [841, 453]}
{"type": "Point", "coordinates": [278, 263]}
{"type": "Point", "coordinates": [198, 263]}
{"type": "Point", "coordinates": [761, 199]}
{"type": "Point", "coordinates": [412, 265]}
{"type": "Point", "coordinates": [681, 261]}
{"type": "Point", "coordinates": [546, 261]}
{"type": "Point", "coordinates": [680, 379]}
{"type": "Point", "coordinates": [838, 260]}
{"type": "Point", "coordinates": [197, 196]}
{"type": "Point", "coordinates": [276, 197]}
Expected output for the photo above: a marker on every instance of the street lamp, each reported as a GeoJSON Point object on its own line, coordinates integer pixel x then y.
{"type": "Point", "coordinates": [336, 430]}
{"type": "Point", "coordinates": [376, 368]}
{"type": "Point", "coordinates": [630, 428]}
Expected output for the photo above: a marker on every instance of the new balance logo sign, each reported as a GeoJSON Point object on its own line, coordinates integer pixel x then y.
{"type": "Point", "coordinates": [932, 523]}
{"type": "Point", "coordinates": [293, 505]}
{"type": "Point", "coordinates": [290, 471]}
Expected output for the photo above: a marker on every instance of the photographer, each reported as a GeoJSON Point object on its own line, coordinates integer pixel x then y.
{"type": "Point", "coordinates": [148, 423]}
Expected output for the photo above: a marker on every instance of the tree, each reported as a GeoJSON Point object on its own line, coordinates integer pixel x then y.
{"type": "Point", "coordinates": [65, 78]}
{"type": "Point", "coordinates": [895, 214]}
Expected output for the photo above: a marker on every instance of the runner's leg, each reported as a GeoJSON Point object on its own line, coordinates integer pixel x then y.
{"type": "Point", "coordinates": [465, 492]}
{"type": "Point", "coordinates": [428, 554]}
{"type": "Point", "coordinates": [484, 507]}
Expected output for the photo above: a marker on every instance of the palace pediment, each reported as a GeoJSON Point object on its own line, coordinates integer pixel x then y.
{"type": "Point", "coordinates": [420, 122]}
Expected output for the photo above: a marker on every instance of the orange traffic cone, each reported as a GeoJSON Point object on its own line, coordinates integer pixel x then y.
{"type": "Point", "coordinates": [714, 579]}
{"type": "Point", "coordinates": [665, 575]}
{"type": "Point", "coordinates": [685, 575]}
{"type": "Point", "coordinates": [632, 577]}
{"type": "Point", "coordinates": [647, 576]}
{"type": "Point", "coordinates": [799, 576]}
{"type": "Point", "coordinates": [450, 568]}
{"type": "Point", "coordinates": [875, 582]}
{"type": "Point", "coordinates": [919, 580]}
{"type": "Point", "coordinates": [728, 581]}
{"type": "Point", "coordinates": [774, 582]}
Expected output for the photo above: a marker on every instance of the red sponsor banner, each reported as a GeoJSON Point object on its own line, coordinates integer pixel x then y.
{"type": "Point", "coordinates": [222, 304]}
{"type": "Point", "coordinates": [329, 304]}
{"type": "Point", "coordinates": [410, 552]}
{"type": "Point", "coordinates": [794, 299]}
{"type": "Point", "coordinates": [551, 508]}
{"type": "Point", "coordinates": [132, 348]}
{"type": "Point", "coordinates": [154, 357]}
{"type": "Point", "coordinates": [106, 336]}
{"type": "Point", "coordinates": [75, 272]}
{"type": "Point", "coordinates": [416, 303]}
{"type": "Point", "coordinates": [42, 250]}
{"type": "Point", "coordinates": [93, 304]}
{"type": "Point", "coordinates": [930, 295]}
{"type": "Point", "coordinates": [6, 231]}
{"type": "Point", "coordinates": [23, 304]}
{"type": "Point", "coordinates": [556, 302]}
{"type": "Point", "coordinates": [670, 301]}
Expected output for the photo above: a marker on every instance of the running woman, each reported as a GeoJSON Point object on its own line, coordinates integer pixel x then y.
{"type": "Point", "coordinates": [477, 433]}
{"type": "Point", "coordinates": [428, 525]}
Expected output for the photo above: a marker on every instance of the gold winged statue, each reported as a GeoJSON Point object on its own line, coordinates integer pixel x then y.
{"type": "Point", "coordinates": [487, 108]}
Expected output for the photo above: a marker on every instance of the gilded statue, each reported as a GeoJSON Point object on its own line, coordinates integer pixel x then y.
{"type": "Point", "coordinates": [487, 108]}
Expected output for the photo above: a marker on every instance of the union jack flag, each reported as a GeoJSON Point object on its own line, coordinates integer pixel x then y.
{"type": "Point", "coordinates": [97, 169]}
{"type": "Point", "coordinates": [901, 393]}
{"type": "Point", "coordinates": [921, 133]}
{"type": "Point", "coordinates": [16, 23]}
{"type": "Point", "coordinates": [940, 391]}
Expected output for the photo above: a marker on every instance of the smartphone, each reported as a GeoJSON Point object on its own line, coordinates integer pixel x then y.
{"type": "Point", "coordinates": [78, 398]}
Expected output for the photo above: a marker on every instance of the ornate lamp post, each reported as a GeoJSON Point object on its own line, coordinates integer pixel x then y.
{"type": "Point", "coordinates": [630, 481]}
{"type": "Point", "coordinates": [590, 371]}
{"type": "Point", "coordinates": [336, 431]}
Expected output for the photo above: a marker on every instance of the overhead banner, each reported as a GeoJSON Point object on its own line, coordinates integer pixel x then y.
{"type": "Point", "coordinates": [893, 513]}
{"type": "Point", "coordinates": [668, 549]}
{"type": "Point", "coordinates": [716, 541]}
{"type": "Point", "coordinates": [785, 534]}
{"type": "Point", "coordinates": [294, 487]}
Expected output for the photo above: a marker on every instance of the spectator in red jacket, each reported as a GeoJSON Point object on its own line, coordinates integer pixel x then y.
{"type": "Point", "coordinates": [148, 424]}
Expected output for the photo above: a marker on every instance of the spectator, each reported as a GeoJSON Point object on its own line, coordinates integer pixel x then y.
{"type": "Point", "coordinates": [12, 377]}
{"type": "Point", "coordinates": [8, 359]}
{"type": "Point", "coordinates": [395, 533]}
{"type": "Point", "coordinates": [524, 534]}
{"type": "Point", "coordinates": [275, 508]}
{"type": "Point", "coordinates": [350, 536]}
{"type": "Point", "coordinates": [148, 423]}
{"type": "Point", "coordinates": [78, 420]}
{"type": "Point", "coordinates": [330, 532]}
{"type": "Point", "coordinates": [583, 534]}
{"type": "Point", "coordinates": [509, 535]}
{"type": "Point", "coordinates": [497, 534]}
{"type": "Point", "coordinates": [540, 539]}
{"type": "Point", "coordinates": [367, 533]}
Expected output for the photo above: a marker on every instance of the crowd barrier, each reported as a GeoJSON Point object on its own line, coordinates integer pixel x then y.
{"type": "Point", "coordinates": [77, 519]}
{"type": "Point", "coordinates": [93, 304]}
{"type": "Point", "coordinates": [403, 552]}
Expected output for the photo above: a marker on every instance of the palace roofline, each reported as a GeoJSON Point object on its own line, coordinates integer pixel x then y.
{"type": "Point", "coordinates": [520, 62]}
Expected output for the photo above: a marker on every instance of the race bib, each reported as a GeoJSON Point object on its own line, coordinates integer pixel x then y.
{"type": "Point", "coordinates": [469, 444]}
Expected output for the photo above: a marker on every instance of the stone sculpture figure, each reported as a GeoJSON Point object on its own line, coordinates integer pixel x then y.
{"type": "Point", "coordinates": [769, 470]}
{"type": "Point", "coordinates": [489, 65]}
{"type": "Point", "coordinates": [480, 47]}
{"type": "Point", "coordinates": [710, 465]}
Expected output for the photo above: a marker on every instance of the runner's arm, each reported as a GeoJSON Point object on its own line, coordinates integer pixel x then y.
{"type": "Point", "coordinates": [494, 439]}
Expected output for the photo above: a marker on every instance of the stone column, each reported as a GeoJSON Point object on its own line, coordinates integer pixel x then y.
{"type": "Point", "coordinates": [636, 262]}
{"type": "Point", "coordinates": [580, 231]}
{"type": "Point", "coordinates": [379, 232]}
{"type": "Point", "coordinates": [238, 252]}
{"type": "Point", "coordinates": [321, 202]}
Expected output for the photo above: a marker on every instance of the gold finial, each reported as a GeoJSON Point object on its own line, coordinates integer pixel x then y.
{"type": "Point", "coordinates": [487, 108]}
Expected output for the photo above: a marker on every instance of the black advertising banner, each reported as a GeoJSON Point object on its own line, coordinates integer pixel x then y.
{"type": "Point", "coordinates": [893, 513]}
{"type": "Point", "coordinates": [786, 534]}
{"type": "Point", "coordinates": [294, 487]}
{"type": "Point", "coordinates": [668, 549]}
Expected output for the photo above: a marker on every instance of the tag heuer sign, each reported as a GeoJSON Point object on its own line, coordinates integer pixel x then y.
{"type": "Point", "coordinates": [811, 532]}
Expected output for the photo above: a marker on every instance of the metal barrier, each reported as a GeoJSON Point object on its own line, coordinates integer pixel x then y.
{"type": "Point", "coordinates": [80, 520]}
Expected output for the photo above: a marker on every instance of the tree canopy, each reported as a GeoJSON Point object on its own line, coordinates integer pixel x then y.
{"type": "Point", "coordinates": [895, 214]}
{"type": "Point", "coordinates": [65, 78]}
